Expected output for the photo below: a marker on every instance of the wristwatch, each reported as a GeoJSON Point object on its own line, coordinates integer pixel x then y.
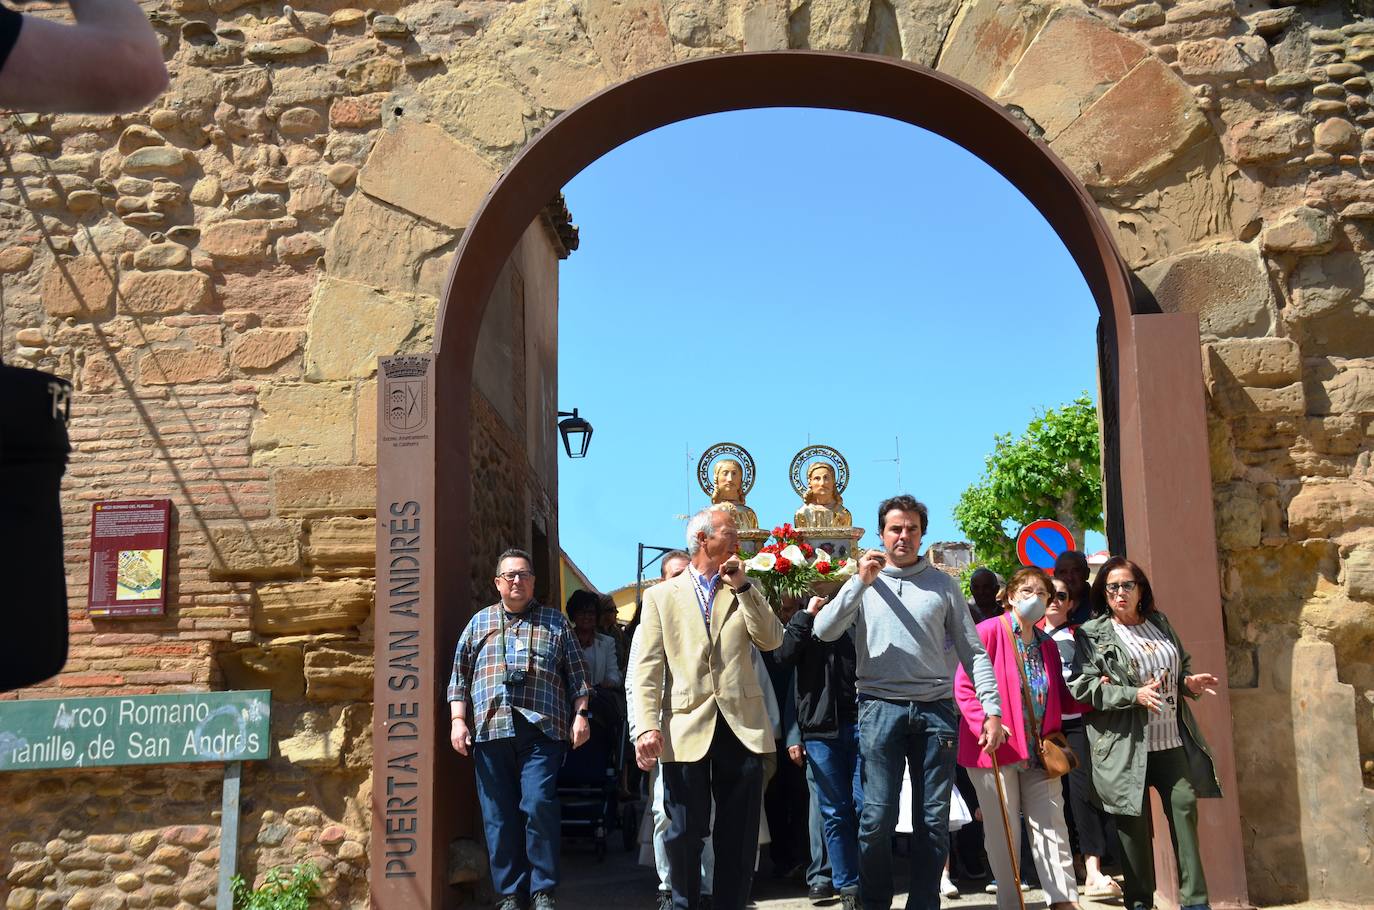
{"type": "Point", "coordinates": [583, 712]}
{"type": "Point", "coordinates": [742, 588]}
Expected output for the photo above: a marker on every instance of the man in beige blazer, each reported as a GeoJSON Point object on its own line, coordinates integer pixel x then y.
{"type": "Point", "coordinates": [701, 710]}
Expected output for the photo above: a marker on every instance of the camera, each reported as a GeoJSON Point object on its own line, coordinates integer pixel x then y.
{"type": "Point", "coordinates": [515, 677]}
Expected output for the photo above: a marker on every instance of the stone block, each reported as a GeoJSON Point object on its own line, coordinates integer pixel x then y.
{"type": "Point", "coordinates": [159, 159]}
{"type": "Point", "coordinates": [1268, 362]}
{"type": "Point", "coordinates": [316, 741]}
{"type": "Point", "coordinates": [324, 491]}
{"type": "Point", "coordinates": [1226, 285]}
{"type": "Point", "coordinates": [172, 366]}
{"type": "Point", "coordinates": [1225, 59]}
{"type": "Point", "coordinates": [630, 36]}
{"type": "Point", "coordinates": [365, 435]}
{"type": "Point", "coordinates": [303, 424]}
{"type": "Point", "coordinates": [1330, 510]}
{"type": "Point", "coordinates": [1135, 129]}
{"type": "Point", "coordinates": [15, 258]}
{"type": "Point", "coordinates": [281, 669]}
{"type": "Point", "coordinates": [350, 327]}
{"type": "Point", "coordinates": [164, 292]}
{"type": "Point", "coordinates": [299, 121]}
{"type": "Point", "coordinates": [1336, 134]}
{"type": "Point", "coordinates": [1359, 574]}
{"type": "Point", "coordinates": [420, 168]}
{"type": "Point", "coordinates": [1329, 310]}
{"type": "Point", "coordinates": [357, 113]}
{"type": "Point", "coordinates": [263, 349]}
{"type": "Point", "coordinates": [1071, 63]}
{"type": "Point", "coordinates": [82, 287]}
{"type": "Point", "coordinates": [312, 606]}
{"type": "Point", "coordinates": [1348, 389]}
{"type": "Point", "coordinates": [253, 550]}
{"type": "Point", "coordinates": [1247, 401]}
{"type": "Point", "coordinates": [1302, 229]}
{"type": "Point", "coordinates": [380, 247]}
{"type": "Point", "coordinates": [343, 542]}
{"type": "Point", "coordinates": [236, 241]}
{"type": "Point", "coordinates": [830, 25]}
{"type": "Point", "coordinates": [338, 672]}
{"type": "Point", "coordinates": [1238, 516]}
{"type": "Point", "coordinates": [550, 56]}
{"type": "Point", "coordinates": [987, 39]}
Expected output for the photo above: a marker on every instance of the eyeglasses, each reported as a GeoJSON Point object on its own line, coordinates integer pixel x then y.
{"type": "Point", "coordinates": [513, 577]}
{"type": "Point", "coordinates": [1126, 586]}
{"type": "Point", "coordinates": [1061, 595]}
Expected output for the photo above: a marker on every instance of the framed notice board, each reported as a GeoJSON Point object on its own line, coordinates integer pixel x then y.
{"type": "Point", "coordinates": [129, 557]}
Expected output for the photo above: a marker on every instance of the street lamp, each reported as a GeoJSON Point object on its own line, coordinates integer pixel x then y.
{"type": "Point", "coordinates": [576, 433]}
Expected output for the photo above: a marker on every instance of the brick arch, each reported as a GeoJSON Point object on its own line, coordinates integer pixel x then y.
{"type": "Point", "coordinates": [1162, 483]}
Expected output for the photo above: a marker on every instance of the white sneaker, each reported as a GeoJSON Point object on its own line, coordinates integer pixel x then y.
{"type": "Point", "coordinates": [947, 887]}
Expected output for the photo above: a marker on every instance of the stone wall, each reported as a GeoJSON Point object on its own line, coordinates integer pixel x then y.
{"type": "Point", "coordinates": [217, 274]}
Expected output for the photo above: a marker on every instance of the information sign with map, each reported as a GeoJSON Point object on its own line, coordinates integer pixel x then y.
{"type": "Point", "coordinates": [129, 557]}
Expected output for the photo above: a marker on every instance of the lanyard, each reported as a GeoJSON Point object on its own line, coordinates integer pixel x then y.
{"type": "Point", "coordinates": [505, 662]}
{"type": "Point", "coordinates": [705, 595]}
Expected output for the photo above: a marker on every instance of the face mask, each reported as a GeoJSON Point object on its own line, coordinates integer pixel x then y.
{"type": "Point", "coordinates": [1031, 610]}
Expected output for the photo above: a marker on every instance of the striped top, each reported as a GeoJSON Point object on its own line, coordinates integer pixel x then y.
{"type": "Point", "coordinates": [1153, 654]}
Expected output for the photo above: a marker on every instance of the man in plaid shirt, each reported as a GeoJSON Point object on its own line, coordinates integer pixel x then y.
{"type": "Point", "coordinates": [517, 670]}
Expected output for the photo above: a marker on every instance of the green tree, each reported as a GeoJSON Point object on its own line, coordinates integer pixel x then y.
{"type": "Point", "coordinates": [1053, 470]}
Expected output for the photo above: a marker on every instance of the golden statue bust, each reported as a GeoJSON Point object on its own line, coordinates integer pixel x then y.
{"type": "Point", "coordinates": [822, 506]}
{"type": "Point", "coordinates": [728, 493]}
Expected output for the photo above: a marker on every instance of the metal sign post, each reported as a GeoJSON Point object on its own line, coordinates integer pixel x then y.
{"type": "Point", "coordinates": [228, 836]}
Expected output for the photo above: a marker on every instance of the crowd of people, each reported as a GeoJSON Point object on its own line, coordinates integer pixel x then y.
{"type": "Point", "coordinates": [1009, 737]}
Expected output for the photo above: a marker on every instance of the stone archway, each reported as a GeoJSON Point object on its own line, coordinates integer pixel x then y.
{"type": "Point", "coordinates": [1163, 483]}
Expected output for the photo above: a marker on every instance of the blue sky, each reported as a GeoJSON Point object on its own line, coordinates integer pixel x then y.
{"type": "Point", "coordinates": [783, 277]}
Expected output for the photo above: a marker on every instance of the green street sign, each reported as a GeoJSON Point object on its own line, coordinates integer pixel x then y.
{"type": "Point", "coordinates": [135, 730]}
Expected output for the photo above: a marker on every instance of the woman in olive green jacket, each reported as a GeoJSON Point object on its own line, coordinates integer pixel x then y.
{"type": "Point", "coordinates": [1131, 667]}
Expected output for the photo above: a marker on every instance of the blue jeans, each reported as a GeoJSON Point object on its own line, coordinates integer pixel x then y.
{"type": "Point", "coordinates": [891, 736]}
{"type": "Point", "coordinates": [835, 768]}
{"type": "Point", "coordinates": [818, 870]}
{"type": "Point", "coordinates": [517, 786]}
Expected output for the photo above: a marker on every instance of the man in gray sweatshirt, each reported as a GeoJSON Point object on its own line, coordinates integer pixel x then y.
{"type": "Point", "coordinates": [910, 615]}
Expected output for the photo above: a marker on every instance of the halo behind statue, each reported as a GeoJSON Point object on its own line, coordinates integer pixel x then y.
{"type": "Point", "coordinates": [803, 461]}
{"type": "Point", "coordinates": [706, 476]}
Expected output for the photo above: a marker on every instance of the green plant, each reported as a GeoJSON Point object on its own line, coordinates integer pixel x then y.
{"type": "Point", "coordinates": [1053, 470]}
{"type": "Point", "coordinates": [280, 890]}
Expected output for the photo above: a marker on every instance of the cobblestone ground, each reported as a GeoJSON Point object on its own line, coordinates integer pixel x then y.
{"type": "Point", "coordinates": [619, 882]}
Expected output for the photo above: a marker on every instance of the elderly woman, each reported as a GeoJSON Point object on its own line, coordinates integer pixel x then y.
{"type": "Point", "coordinates": [1131, 669]}
{"type": "Point", "coordinates": [1035, 705]}
{"type": "Point", "coordinates": [1088, 819]}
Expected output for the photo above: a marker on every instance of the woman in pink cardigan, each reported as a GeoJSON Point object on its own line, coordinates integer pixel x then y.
{"type": "Point", "coordinates": [1028, 790]}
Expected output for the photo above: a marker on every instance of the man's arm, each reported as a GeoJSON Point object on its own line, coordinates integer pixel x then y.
{"type": "Point", "coordinates": [974, 657]}
{"type": "Point", "coordinates": [458, 687]}
{"type": "Point", "coordinates": [649, 669]}
{"type": "Point", "coordinates": [764, 628]}
{"type": "Point", "coordinates": [109, 62]}
{"type": "Point", "coordinates": [838, 615]}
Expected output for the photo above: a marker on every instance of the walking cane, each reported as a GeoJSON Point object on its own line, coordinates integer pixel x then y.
{"type": "Point", "coordinates": [1006, 828]}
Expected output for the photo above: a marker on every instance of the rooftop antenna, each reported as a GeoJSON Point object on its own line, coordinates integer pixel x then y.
{"type": "Point", "coordinates": [897, 461]}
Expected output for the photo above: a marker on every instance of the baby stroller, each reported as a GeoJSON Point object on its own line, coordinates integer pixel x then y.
{"type": "Point", "coordinates": [589, 787]}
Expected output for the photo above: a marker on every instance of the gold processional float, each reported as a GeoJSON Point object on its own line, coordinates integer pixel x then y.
{"type": "Point", "coordinates": [812, 554]}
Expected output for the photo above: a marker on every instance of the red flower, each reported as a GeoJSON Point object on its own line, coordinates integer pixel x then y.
{"type": "Point", "coordinates": [783, 565]}
{"type": "Point", "coordinates": [777, 532]}
{"type": "Point", "coordinates": [823, 568]}
{"type": "Point", "coordinates": [787, 530]}
{"type": "Point", "coordinates": [808, 550]}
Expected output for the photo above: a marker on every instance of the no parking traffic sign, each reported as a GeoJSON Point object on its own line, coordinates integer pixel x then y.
{"type": "Point", "coordinates": [1040, 543]}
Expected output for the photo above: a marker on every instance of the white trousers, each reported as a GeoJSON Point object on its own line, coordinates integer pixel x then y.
{"type": "Point", "coordinates": [1041, 800]}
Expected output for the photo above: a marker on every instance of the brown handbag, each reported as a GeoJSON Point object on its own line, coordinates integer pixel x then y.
{"type": "Point", "coordinates": [1056, 756]}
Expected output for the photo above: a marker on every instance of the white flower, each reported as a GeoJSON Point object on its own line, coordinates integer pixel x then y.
{"type": "Point", "coordinates": [822, 556]}
{"type": "Point", "coordinates": [793, 554]}
{"type": "Point", "coordinates": [761, 562]}
{"type": "Point", "coordinates": [840, 573]}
